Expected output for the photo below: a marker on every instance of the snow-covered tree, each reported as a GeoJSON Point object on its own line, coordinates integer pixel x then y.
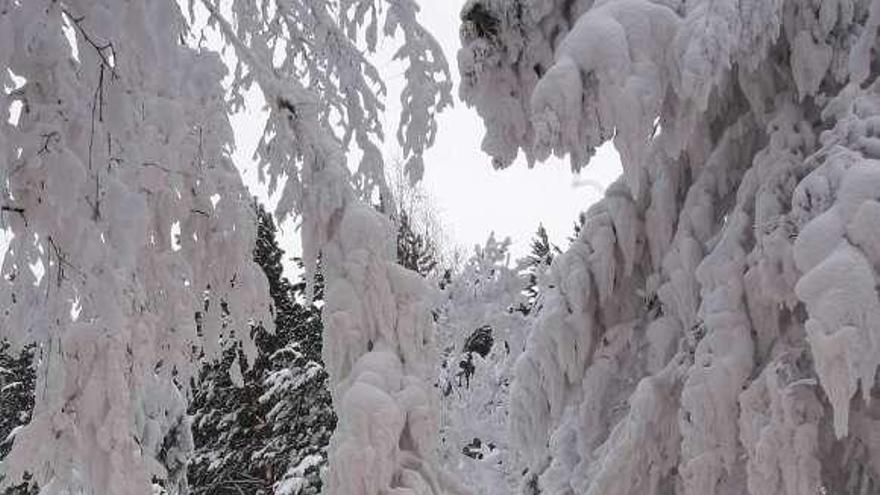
{"type": "Point", "coordinates": [422, 242]}
{"type": "Point", "coordinates": [267, 429]}
{"type": "Point", "coordinates": [535, 266]}
{"type": "Point", "coordinates": [481, 334]}
{"type": "Point", "coordinates": [714, 327]}
{"type": "Point", "coordinates": [323, 97]}
{"type": "Point", "coordinates": [125, 214]}
{"type": "Point", "coordinates": [415, 250]}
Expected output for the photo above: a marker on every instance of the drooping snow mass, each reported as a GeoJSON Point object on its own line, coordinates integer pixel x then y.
{"type": "Point", "coordinates": [130, 225]}
{"type": "Point", "coordinates": [105, 185]}
{"type": "Point", "coordinates": [322, 96]}
{"type": "Point", "coordinates": [714, 328]}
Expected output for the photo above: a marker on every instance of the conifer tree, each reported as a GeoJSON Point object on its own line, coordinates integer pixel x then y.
{"type": "Point", "coordinates": [533, 265]}
{"type": "Point", "coordinates": [415, 251]}
{"type": "Point", "coordinates": [265, 430]}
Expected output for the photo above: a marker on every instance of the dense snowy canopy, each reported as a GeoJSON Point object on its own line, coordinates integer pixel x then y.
{"type": "Point", "coordinates": [132, 233]}
{"type": "Point", "coordinates": [714, 328]}
{"type": "Point", "coordinates": [115, 182]}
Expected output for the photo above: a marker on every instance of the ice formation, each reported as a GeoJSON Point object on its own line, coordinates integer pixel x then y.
{"type": "Point", "coordinates": [714, 328]}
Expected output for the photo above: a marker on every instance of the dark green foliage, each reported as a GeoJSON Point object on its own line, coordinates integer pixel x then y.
{"type": "Point", "coordinates": [251, 437]}
{"type": "Point", "coordinates": [479, 342]}
{"type": "Point", "coordinates": [415, 251]}
{"type": "Point", "coordinates": [17, 380]}
{"type": "Point", "coordinates": [536, 263]}
{"type": "Point", "coordinates": [483, 22]}
{"type": "Point", "coordinates": [477, 449]}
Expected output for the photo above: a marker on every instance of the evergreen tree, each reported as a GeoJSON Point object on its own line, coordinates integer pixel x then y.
{"type": "Point", "coordinates": [266, 429]}
{"type": "Point", "coordinates": [533, 265]}
{"type": "Point", "coordinates": [416, 252]}
{"type": "Point", "coordinates": [16, 402]}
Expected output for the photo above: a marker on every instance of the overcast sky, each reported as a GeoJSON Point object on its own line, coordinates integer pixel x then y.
{"type": "Point", "coordinates": [472, 198]}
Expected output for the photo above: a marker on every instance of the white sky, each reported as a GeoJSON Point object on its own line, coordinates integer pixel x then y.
{"type": "Point", "coordinates": [472, 198]}
{"type": "Point", "coordinates": [475, 199]}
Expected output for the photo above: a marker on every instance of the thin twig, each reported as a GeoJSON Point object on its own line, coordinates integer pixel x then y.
{"type": "Point", "coordinates": [47, 138]}
{"type": "Point", "coordinates": [15, 209]}
{"type": "Point", "coordinates": [63, 262]}
{"type": "Point", "coordinates": [77, 21]}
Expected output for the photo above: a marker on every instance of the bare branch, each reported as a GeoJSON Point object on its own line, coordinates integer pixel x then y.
{"type": "Point", "coordinates": [99, 49]}
{"type": "Point", "coordinates": [15, 209]}
{"type": "Point", "coordinates": [47, 138]}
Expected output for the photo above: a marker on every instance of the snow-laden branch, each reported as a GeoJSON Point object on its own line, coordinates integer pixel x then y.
{"type": "Point", "coordinates": [714, 327]}
{"type": "Point", "coordinates": [378, 335]}
{"type": "Point", "coordinates": [125, 254]}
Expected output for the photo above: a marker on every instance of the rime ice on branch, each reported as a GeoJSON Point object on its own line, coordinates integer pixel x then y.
{"type": "Point", "coordinates": [714, 329]}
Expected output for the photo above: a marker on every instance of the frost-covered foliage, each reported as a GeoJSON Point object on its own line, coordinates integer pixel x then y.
{"type": "Point", "coordinates": [125, 213]}
{"type": "Point", "coordinates": [266, 429]}
{"type": "Point", "coordinates": [311, 62]}
{"type": "Point", "coordinates": [714, 327]}
{"type": "Point", "coordinates": [482, 332]}
{"type": "Point", "coordinates": [323, 96]}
